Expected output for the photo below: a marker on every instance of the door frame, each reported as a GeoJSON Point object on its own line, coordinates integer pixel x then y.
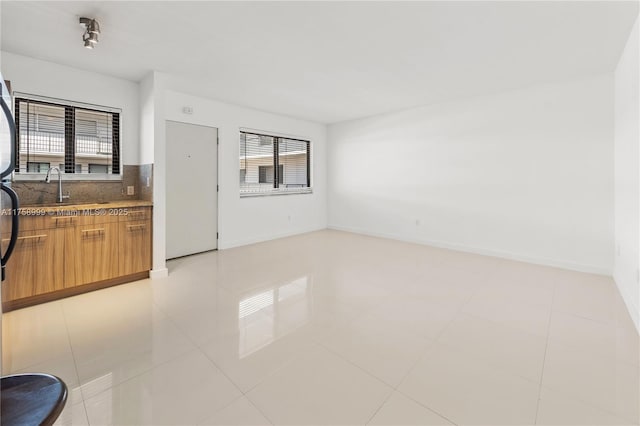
{"type": "Point", "coordinates": [217, 192]}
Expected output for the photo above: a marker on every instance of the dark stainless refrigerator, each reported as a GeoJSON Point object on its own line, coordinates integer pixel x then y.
{"type": "Point", "coordinates": [9, 204]}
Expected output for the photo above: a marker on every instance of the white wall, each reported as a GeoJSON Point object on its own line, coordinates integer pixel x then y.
{"type": "Point", "coordinates": [36, 77]}
{"type": "Point", "coordinates": [627, 176]}
{"type": "Point", "coordinates": [526, 174]}
{"type": "Point", "coordinates": [247, 220]}
{"type": "Point", "coordinates": [152, 150]}
{"type": "Point", "coordinates": [147, 117]}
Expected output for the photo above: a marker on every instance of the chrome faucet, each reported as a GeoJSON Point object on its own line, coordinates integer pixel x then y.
{"type": "Point", "coordinates": [48, 180]}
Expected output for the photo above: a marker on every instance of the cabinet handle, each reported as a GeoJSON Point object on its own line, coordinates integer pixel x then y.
{"type": "Point", "coordinates": [134, 227]}
{"type": "Point", "coordinates": [57, 219]}
{"type": "Point", "coordinates": [87, 232]}
{"type": "Point", "coordinates": [27, 238]}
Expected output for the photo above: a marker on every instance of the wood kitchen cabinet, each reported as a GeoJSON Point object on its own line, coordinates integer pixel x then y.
{"type": "Point", "coordinates": [37, 264]}
{"type": "Point", "coordinates": [58, 256]}
{"type": "Point", "coordinates": [95, 247]}
{"type": "Point", "coordinates": [135, 240]}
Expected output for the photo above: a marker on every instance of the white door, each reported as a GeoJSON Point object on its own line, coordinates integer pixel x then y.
{"type": "Point", "coordinates": [192, 197]}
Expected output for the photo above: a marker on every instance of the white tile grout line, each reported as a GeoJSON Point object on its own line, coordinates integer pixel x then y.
{"type": "Point", "coordinates": [426, 354]}
{"type": "Point", "coordinates": [419, 358]}
{"type": "Point", "coordinates": [130, 378]}
{"type": "Point", "coordinates": [388, 397]}
{"type": "Point", "coordinates": [75, 363]}
{"type": "Point", "coordinates": [426, 407]}
{"type": "Point", "coordinates": [435, 341]}
{"type": "Point", "coordinates": [197, 346]}
{"type": "Point", "coordinates": [200, 422]}
{"type": "Point", "coordinates": [546, 347]}
{"type": "Point", "coordinates": [200, 349]}
{"type": "Point", "coordinates": [301, 352]}
{"type": "Point", "coordinates": [394, 388]}
{"type": "Point", "coordinates": [367, 373]}
{"type": "Point", "coordinates": [587, 402]}
{"type": "Point", "coordinates": [259, 410]}
{"type": "Point", "coordinates": [544, 360]}
{"type": "Point", "coordinates": [397, 388]}
{"type": "Point", "coordinates": [183, 354]}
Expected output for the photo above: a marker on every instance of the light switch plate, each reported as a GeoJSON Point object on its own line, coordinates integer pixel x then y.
{"type": "Point", "coordinates": [130, 190]}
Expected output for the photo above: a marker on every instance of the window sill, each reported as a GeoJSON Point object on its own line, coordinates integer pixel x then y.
{"type": "Point", "coordinates": [39, 177]}
{"type": "Point", "coordinates": [276, 192]}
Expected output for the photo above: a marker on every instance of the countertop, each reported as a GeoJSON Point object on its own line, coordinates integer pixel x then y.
{"type": "Point", "coordinates": [53, 207]}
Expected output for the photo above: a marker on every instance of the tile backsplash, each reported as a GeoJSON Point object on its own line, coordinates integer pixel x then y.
{"type": "Point", "coordinates": [145, 182]}
{"type": "Point", "coordinates": [138, 176]}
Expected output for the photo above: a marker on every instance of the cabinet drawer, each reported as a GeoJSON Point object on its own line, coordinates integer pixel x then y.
{"type": "Point", "coordinates": [135, 213]}
{"type": "Point", "coordinates": [96, 217]}
{"type": "Point", "coordinates": [62, 221]}
{"type": "Point", "coordinates": [47, 221]}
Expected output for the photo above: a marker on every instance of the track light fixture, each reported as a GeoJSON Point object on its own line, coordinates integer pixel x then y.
{"type": "Point", "coordinates": [92, 29]}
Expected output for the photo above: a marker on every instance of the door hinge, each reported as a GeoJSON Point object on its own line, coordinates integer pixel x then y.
{"type": "Point", "coordinates": [216, 235]}
{"type": "Point", "coordinates": [217, 188]}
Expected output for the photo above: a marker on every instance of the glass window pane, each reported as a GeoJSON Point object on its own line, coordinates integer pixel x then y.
{"type": "Point", "coordinates": [256, 159]}
{"type": "Point", "coordinates": [292, 155]}
{"type": "Point", "coordinates": [94, 140]}
{"type": "Point", "coordinates": [257, 164]}
{"type": "Point", "coordinates": [66, 135]}
{"type": "Point", "coordinates": [98, 168]}
{"type": "Point", "coordinates": [40, 135]}
{"type": "Point", "coordinates": [37, 167]}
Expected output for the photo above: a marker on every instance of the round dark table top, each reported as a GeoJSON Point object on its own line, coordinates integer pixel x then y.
{"type": "Point", "coordinates": [31, 399]}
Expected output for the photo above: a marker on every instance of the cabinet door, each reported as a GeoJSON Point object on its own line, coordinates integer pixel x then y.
{"type": "Point", "coordinates": [36, 265]}
{"type": "Point", "coordinates": [135, 246]}
{"type": "Point", "coordinates": [96, 252]}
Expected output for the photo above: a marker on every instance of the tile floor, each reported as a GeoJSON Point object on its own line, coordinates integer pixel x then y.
{"type": "Point", "coordinates": [335, 328]}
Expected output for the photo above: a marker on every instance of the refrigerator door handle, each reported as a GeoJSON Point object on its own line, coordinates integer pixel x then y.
{"type": "Point", "coordinates": [14, 225]}
{"type": "Point", "coordinates": [12, 135]}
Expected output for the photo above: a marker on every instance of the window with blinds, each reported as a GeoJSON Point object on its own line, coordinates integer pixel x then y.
{"type": "Point", "coordinates": [274, 165]}
{"type": "Point", "coordinates": [80, 140]}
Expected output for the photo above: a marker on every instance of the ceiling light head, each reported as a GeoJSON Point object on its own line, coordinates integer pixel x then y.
{"type": "Point", "coordinates": [90, 37]}
{"type": "Point", "coordinates": [92, 29]}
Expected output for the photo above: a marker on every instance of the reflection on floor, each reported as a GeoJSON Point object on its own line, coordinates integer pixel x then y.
{"type": "Point", "coordinates": [336, 328]}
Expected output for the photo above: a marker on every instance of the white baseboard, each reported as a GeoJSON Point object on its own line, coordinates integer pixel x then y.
{"type": "Point", "coordinates": [222, 244]}
{"type": "Point", "coordinates": [158, 273]}
{"type": "Point", "coordinates": [486, 252]}
{"type": "Point", "coordinates": [634, 311]}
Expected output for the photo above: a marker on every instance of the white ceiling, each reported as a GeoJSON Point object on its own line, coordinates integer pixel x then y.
{"type": "Point", "coordinates": [330, 61]}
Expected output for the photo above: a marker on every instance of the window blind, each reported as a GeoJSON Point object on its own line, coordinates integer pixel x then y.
{"type": "Point", "coordinates": [271, 164]}
{"type": "Point", "coordinates": [94, 140]}
{"type": "Point", "coordinates": [68, 135]}
{"type": "Point", "coordinates": [40, 135]}
{"type": "Point", "coordinates": [293, 156]}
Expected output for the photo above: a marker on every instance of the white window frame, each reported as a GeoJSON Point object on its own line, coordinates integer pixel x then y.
{"type": "Point", "coordinates": [17, 176]}
{"type": "Point", "coordinates": [279, 191]}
